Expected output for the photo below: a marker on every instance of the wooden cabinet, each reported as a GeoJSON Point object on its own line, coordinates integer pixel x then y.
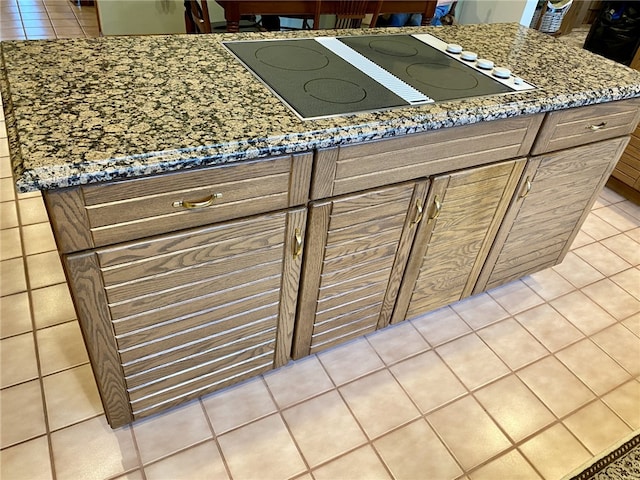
{"type": "Point", "coordinates": [464, 212]}
{"type": "Point", "coordinates": [355, 257]}
{"type": "Point", "coordinates": [625, 178]}
{"type": "Point", "coordinates": [552, 201]}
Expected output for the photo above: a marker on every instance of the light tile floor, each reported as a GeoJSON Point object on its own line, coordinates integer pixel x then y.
{"type": "Point", "coordinates": [529, 380]}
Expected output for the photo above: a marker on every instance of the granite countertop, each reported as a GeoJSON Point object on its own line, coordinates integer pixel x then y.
{"type": "Point", "coordinates": [89, 110]}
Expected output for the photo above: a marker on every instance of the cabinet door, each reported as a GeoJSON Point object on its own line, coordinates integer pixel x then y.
{"type": "Point", "coordinates": [553, 199]}
{"type": "Point", "coordinates": [355, 255]}
{"type": "Point", "coordinates": [463, 216]}
{"type": "Point", "coordinates": [171, 318]}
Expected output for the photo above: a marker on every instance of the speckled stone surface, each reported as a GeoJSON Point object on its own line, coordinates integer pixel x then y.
{"type": "Point", "coordinates": [89, 110]}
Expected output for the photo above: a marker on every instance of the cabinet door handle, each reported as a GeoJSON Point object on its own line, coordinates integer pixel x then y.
{"type": "Point", "coordinates": [437, 207]}
{"type": "Point", "coordinates": [597, 127]}
{"type": "Point", "coordinates": [527, 188]}
{"type": "Point", "coordinates": [205, 202]}
{"type": "Point", "coordinates": [297, 244]}
{"type": "Point", "coordinates": [419, 212]}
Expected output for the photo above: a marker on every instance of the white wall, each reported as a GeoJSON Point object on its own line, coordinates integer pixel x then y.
{"type": "Point", "coordinates": [495, 11]}
{"type": "Point", "coordinates": [141, 17]}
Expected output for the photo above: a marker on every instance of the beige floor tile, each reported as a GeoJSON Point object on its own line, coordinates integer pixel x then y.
{"type": "Point", "coordinates": [38, 238]}
{"type": "Point", "coordinates": [577, 271]}
{"type": "Point", "coordinates": [629, 207]}
{"type": "Point", "coordinates": [597, 228]}
{"type": "Point", "coordinates": [555, 452]}
{"type": "Point", "coordinates": [512, 405]}
{"type": "Point", "coordinates": [613, 299]}
{"type": "Point", "coordinates": [238, 405]}
{"type": "Point", "coordinates": [512, 343]}
{"type": "Point", "coordinates": [29, 460]}
{"type": "Point", "coordinates": [52, 305]}
{"type": "Point", "coordinates": [348, 362]}
{"type": "Point", "coordinates": [634, 234]}
{"type": "Point", "coordinates": [18, 360]}
{"type": "Point", "coordinates": [625, 401]}
{"type": "Point", "coordinates": [314, 424]}
{"type": "Point", "coordinates": [594, 367]}
{"type": "Point", "coordinates": [37, 194]}
{"type": "Point", "coordinates": [548, 284]}
{"type": "Point", "coordinates": [71, 397]}
{"type": "Point", "coordinates": [15, 314]}
{"type": "Point", "coordinates": [22, 414]}
{"type": "Point", "coordinates": [5, 162]}
{"type": "Point", "coordinates": [633, 323]}
{"type": "Point", "coordinates": [7, 192]}
{"type": "Point", "coordinates": [480, 310]}
{"type": "Point", "coordinates": [601, 258]}
{"type": "Point", "coordinates": [472, 361]}
{"type": "Point", "coordinates": [608, 196]}
{"type": "Point", "coordinates": [92, 450]}
{"type": "Point", "coordinates": [581, 239]}
{"type": "Point", "coordinates": [429, 458]}
{"type": "Point", "coordinates": [469, 432]}
{"type": "Point", "coordinates": [379, 403]}
{"type": "Point", "coordinates": [629, 280]}
{"type": "Point", "coordinates": [428, 381]}
{"type": "Point", "coordinates": [608, 427]}
{"type": "Point", "coordinates": [69, 32]}
{"type": "Point", "coordinates": [549, 327]}
{"type": "Point", "coordinates": [617, 217]}
{"type": "Point", "coordinates": [32, 209]}
{"type": "Point", "coordinates": [440, 326]}
{"type": "Point", "coordinates": [556, 386]}
{"type": "Point", "coordinates": [10, 244]}
{"type": "Point", "coordinates": [12, 277]}
{"type": "Point", "coordinates": [169, 432]}
{"type": "Point", "coordinates": [582, 312]}
{"type": "Point", "coordinates": [45, 269]}
{"type": "Point", "coordinates": [511, 466]}
{"type": "Point", "coordinates": [200, 462]}
{"type": "Point", "coordinates": [298, 381]}
{"type": "Point", "coordinates": [624, 247]}
{"type": "Point", "coordinates": [397, 342]}
{"type": "Point", "coordinates": [133, 475]}
{"type": "Point", "coordinates": [361, 463]}
{"type": "Point", "coordinates": [262, 449]}
{"type": "Point", "coordinates": [515, 297]}
{"type": "Point", "coordinates": [622, 345]}
{"type": "Point", "coordinates": [8, 215]}
{"type": "Point", "coordinates": [61, 347]}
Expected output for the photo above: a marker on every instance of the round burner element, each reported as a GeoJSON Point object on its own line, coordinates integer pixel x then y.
{"type": "Point", "coordinates": [393, 48]}
{"type": "Point", "coordinates": [290, 57]}
{"type": "Point", "coordinates": [441, 75]}
{"type": "Point", "coordinates": [335, 90]}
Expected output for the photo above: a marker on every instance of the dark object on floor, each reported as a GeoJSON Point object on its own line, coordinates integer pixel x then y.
{"type": "Point", "coordinates": [621, 463]}
{"type": "Point", "coordinates": [616, 32]}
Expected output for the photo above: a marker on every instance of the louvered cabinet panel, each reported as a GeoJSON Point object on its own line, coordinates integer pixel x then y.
{"type": "Point", "coordinates": [462, 218]}
{"type": "Point", "coordinates": [553, 199]}
{"type": "Point", "coordinates": [191, 312]}
{"type": "Point", "coordinates": [355, 255]}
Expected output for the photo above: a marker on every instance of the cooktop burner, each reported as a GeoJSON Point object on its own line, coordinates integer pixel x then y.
{"type": "Point", "coordinates": [328, 76]}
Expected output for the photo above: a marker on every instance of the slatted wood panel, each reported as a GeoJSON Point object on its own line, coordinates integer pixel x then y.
{"type": "Point", "coordinates": [541, 224]}
{"type": "Point", "coordinates": [578, 126]}
{"type": "Point", "coordinates": [103, 214]}
{"type": "Point", "coordinates": [628, 168]}
{"type": "Point", "coordinates": [194, 311]}
{"type": "Point", "coordinates": [450, 248]}
{"type": "Point", "coordinates": [355, 258]}
{"type": "Point", "coordinates": [373, 164]}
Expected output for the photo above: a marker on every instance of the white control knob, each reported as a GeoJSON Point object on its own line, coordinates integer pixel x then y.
{"type": "Point", "coordinates": [469, 56]}
{"type": "Point", "coordinates": [453, 48]}
{"type": "Point", "coordinates": [485, 64]}
{"type": "Point", "coordinates": [502, 72]}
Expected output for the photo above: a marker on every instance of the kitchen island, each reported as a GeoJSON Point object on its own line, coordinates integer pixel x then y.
{"type": "Point", "coordinates": [209, 235]}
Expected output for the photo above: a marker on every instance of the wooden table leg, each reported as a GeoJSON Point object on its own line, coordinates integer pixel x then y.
{"type": "Point", "coordinates": [232, 16]}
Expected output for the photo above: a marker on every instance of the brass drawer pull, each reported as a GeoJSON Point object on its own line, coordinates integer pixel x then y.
{"type": "Point", "coordinates": [297, 245]}
{"type": "Point", "coordinates": [206, 202]}
{"type": "Point", "coordinates": [419, 212]}
{"type": "Point", "coordinates": [527, 188]}
{"type": "Point", "coordinates": [438, 207]}
{"type": "Point", "coordinates": [597, 127]}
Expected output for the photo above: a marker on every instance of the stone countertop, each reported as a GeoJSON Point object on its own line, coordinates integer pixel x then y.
{"type": "Point", "coordinates": [81, 111]}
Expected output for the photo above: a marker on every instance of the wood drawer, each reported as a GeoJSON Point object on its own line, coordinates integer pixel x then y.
{"type": "Point", "coordinates": [582, 125]}
{"type": "Point", "coordinates": [103, 214]}
{"type": "Point", "coordinates": [382, 162]}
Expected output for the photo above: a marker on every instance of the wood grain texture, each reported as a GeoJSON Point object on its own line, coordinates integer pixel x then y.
{"type": "Point", "coordinates": [300, 179]}
{"type": "Point", "coordinates": [83, 275]}
{"type": "Point", "coordinates": [324, 173]}
{"type": "Point", "coordinates": [68, 219]}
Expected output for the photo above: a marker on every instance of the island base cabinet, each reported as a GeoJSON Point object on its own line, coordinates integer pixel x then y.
{"type": "Point", "coordinates": [462, 216]}
{"type": "Point", "coordinates": [552, 201]}
{"type": "Point", "coordinates": [174, 317]}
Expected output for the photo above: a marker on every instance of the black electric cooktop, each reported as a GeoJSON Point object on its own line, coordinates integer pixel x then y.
{"type": "Point", "coordinates": [329, 76]}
